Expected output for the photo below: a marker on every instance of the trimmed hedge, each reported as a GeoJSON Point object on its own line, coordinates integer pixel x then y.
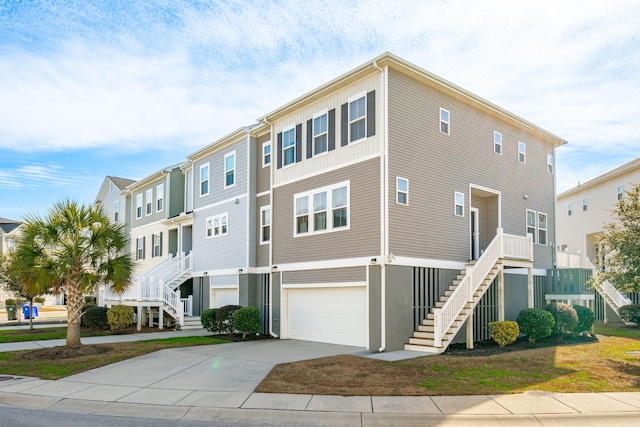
{"type": "Point", "coordinates": [208, 320]}
{"type": "Point", "coordinates": [224, 318]}
{"type": "Point", "coordinates": [95, 318]}
{"type": "Point", "coordinates": [586, 317]}
{"type": "Point", "coordinates": [630, 313]}
{"type": "Point", "coordinates": [90, 300]}
{"type": "Point", "coordinates": [504, 333]}
{"type": "Point", "coordinates": [120, 316]}
{"type": "Point", "coordinates": [246, 320]}
{"type": "Point", "coordinates": [536, 323]}
{"type": "Point", "coordinates": [87, 306]}
{"type": "Point", "coordinates": [565, 317]}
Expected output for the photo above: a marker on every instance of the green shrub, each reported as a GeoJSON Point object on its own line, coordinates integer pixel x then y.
{"type": "Point", "coordinates": [90, 300]}
{"type": "Point", "coordinates": [95, 318]}
{"type": "Point", "coordinates": [565, 317]}
{"type": "Point", "coordinates": [224, 318]}
{"type": "Point", "coordinates": [39, 300]}
{"type": "Point", "coordinates": [120, 316]}
{"type": "Point", "coordinates": [628, 313]}
{"type": "Point", "coordinates": [536, 323]}
{"type": "Point", "coordinates": [504, 333]}
{"type": "Point", "coordinates": [246, 320]}
{"type": "Point", "coordinates": [86, 307]}
{"type": "Point", "coordinates": [208, 319]}
{"type": "Point", "coordinates": [586, 317]}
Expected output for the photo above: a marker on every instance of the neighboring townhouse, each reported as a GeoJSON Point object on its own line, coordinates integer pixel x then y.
{"type": "Point", "coordinates": [115, 200]}
{"type": "Point", "coordinates": [9, 230]}
{"type": "Point", "coordinates": [386, 182]}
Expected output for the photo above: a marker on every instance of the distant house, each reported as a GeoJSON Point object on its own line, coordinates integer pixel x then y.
{"type": "Point", "coordinates": [9, 231]}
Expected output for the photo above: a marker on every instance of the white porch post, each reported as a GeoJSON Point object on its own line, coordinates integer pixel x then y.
{"type": "Point", "coordinates": [501, 295]}
{"type": "Point", "coordinates": [530, 300]}
{"type": "Point", "coordinates": [470, 331]}
{"type": "Point", "coordinates": [139, 326]}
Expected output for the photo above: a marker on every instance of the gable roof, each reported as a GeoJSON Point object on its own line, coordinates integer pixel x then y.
{"type": "Point", "coordinates": [620, 170]}
{"type": "Point", "coordinates": [8, 225]}
{"type": "Point", "coordinates": [121, 183]}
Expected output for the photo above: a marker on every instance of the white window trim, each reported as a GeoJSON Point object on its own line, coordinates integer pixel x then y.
{"type": "Point", "coordinates": [139, 247]}
{"type": "Point", "coordinates": [213, 218]}
{"type": "Point", "coordinates": [200, 180]}
{"type": "Point", "coordinates": [349, 101]}
{"type": "Point", "coordinates": [148, 202]}
{"type": "Point", "coordinates": [160, 197]}
{"type": "Point", "coordinates": [292, 147]}
{"type": "Point", "coordinates": [155, 239]}
{"type": "Point", "coordinates": [226, 156]}
{"type": "Point", "coordinates": [523, 152]}
{"type": "Point", "coordinates": [496, 143]}
{"type": "Point", "coordinates": [116, 211]}
{"type": "Point", "coordinates": [139, 205]}
{"type": "Point", "coordinates": [448, 122]}
{"type": "Point", "coordinates": [538, 228]}
{"type": "Point", "coordinates": [265, 144]}
{"type": "Point", "coordinates": [619, 192]}
{"type": "Point", "coordinates": [398, 191]}
{"type": "Point", "coordinates": [263, 225]}
{"type": "Point", "coordinates": [326, 132]}
{"type": "Point", "coordinates": [535, 225]}
{"type": "Point", "coordinates": [456, 204]}
{"type": "Point", "coordinates": [309, 194]}
{"type": "Point", "coordinates": [550, 163]}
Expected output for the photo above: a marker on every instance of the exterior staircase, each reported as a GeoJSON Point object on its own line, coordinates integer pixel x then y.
{"type": "Point", "coordinates": [191, 322]}
{"type": "Point", "coordinates": [458, 302]}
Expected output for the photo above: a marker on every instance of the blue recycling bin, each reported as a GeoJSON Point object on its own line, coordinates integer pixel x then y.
{"type": "Point", "coordinates": [25, 311]}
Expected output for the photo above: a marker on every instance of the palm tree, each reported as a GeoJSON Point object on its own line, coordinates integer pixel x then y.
{"type": "Point", "coordinates": [73, 249]}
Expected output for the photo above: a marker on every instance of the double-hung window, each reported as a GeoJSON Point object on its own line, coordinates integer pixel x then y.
{"type": "Point", "coordinates": [620, 192]}
{"type": "Point", "coordinates": [497, 142]}
{"type": "Point", "coordinates": [569, 209]}
{"type": "Point", "coordinates": [230, 169]}
{"type": "Point", "coordinates": [159, 197]}
{"type": "Point", "coordinates": [531, 224]}
{"type": "Point", "coordinates": [402, 191]}
{"type": "Point", "coordinates": [156, 245]}
{"type": "Point", "coordinates": [550, 163]}
{"type": "Point", "coordinates": [358, 119]}
{"type": "Point", "coordinates": [116, 211]}
{"type": "Point", "coordinates": [329, 207]}
{"type": "Point", "coordinates": [149, 201]}
{"type": "Point", "coordinates": [289, 146]}
{"type": "Point", "coordinates": [521, 152]}
{"type": "Point", "coordinates": [217, 226]}
{"type": "Point", "coordinates": [585, 205]}
{"type": "Point", "coordinates": [204, 179]}
{"type": "Point", "coordinates": [140, 247]}
{"type": "Point", "coordinates": [266, 153]}
{"type": "Point", "coordinates": [265, 224]}
{"type": "Point", "coordinates": [139, 205]}
{"type": "Point", "coordinates": [542, 228]}
{"type": "Point", "coordinates": [320, 134]}
{"type": "Point", "coordinates": [444, 121]}
{"type": "Point", "coordinates": [459, 204]}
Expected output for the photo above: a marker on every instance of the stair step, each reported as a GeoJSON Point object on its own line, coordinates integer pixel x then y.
{"type": "Point", "coordinates": [423, 349]}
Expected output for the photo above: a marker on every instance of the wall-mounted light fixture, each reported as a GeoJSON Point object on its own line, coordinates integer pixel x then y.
{"type": "Point", "coordinates": [524, 196]}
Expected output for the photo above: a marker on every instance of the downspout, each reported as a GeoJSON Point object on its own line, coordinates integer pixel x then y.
{"type": "Point", "coordinates": [383, 219]}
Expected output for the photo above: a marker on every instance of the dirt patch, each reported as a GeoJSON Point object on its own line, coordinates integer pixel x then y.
{"type": "Point", "coordinates": [63, 352]}
{"type": "Point", "coordinates": [490, 347]}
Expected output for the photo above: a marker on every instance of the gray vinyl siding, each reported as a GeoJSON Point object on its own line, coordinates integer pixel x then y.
{"type": "Point", "coordinates": [224, 281]}
{"type": "Point", "coordinates": [363, 237]}
{"type": "Point", "coordinates": [333, 275]}
{"type": "Point", "coordinates": [174, 193]}
{"type": "Point", "coordinates": [221, 252]}
{"type": "Point", "coordinates": [262, 250]}
{"type": "Point", "coordinates": [437, 165]}
{"type": "Point", "coordinates": [252, 219]}
{"type": "Point", "coordinates": [263, 173]}
{"type": "Point", "coordinates": [155, 216]}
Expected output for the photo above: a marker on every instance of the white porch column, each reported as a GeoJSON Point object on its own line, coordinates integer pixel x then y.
{"type": "Point", "coordinates": [470, 331]}
{"type": "Point", "coordinates": [501, 295]}
{"type": "Point", "coordinates": [530, 287]}
{"type": "Point", "coordinates": [139, 326]}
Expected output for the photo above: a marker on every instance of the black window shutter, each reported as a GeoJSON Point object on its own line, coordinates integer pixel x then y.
{"type": "Point", "coordinates": [344, 128]}
{"type": "Point", "coordinates": [137, 248]}
{"type": "Point", "coordinates": [298, 142]}
{"type": "Point", "coordinates": [309, 138]}
{"type": "Point", "coordinates": [161, 243]}
{"type": "Point", "coordinates": [144, 246]}
{"type": "Point", "coordinates": [332, 129]}
{"type": "Point", "coordinates": [371, 113]}
{"type": "Point", "coordinates": [279, 151]}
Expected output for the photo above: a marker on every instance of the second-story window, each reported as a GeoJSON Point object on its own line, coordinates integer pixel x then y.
{"type": "Point", "coordinates": [620, 192]}
{"type": "Point", "coordinates": [497, 142]}
{"type": "Point", "coordinates": [531, 224]}
{"type": "Point", "coordinates": [289, 146]}
{"type": "Point", "coordinates": [159, 197]}
{"type": "Point", "coordinates": [402, 191]}
{"type": "Point", "coordinates": [357, 119]}
{"type": "Point", "coordinates": [140, 247]}
{"type": "Point", "coordinates": [266, 153]}
{"type": "Point", "coordinates": [459, 204]}
{"type": "Point", "coordinates": [230, 169]}
{"type": "Point", "coordinates": [156, 243]}
{"type": "Point", "coordinates": [265, 224]}
{"type": "Point", "coordinates": [138, 205]}
{"type": "Point", "coordinates": [217, 226]}
{"type": "Point", "coordinates": [585, 205]}
{"type": "Point", "coordinates": [550, 163]}
{"type": "Point", "coordinates": [569, 209]}
{"type": "Point", "coordinates": [149, 201]}
{"type": "Point", "coordinates": [329, 206]}
{"type": "Point", "coordinates": [116, 211]}
{"type": "Point", "coordinates": [542, 228]}
{"type": "Point", "coordinates": [444, 121]}
{"type": "Point", "coordinates": [521, 152]}
{"type": "Point", "coordinates": [320, 134]}
{"type": "Point", "coordinates": [204, 179]}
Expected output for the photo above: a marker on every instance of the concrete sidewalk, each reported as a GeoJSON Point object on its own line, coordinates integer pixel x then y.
{"type": "Point", "coordinates": [217, 383]}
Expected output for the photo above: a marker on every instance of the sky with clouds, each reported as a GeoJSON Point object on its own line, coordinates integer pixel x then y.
{"type": "Point", "coordinates": [125, 88]}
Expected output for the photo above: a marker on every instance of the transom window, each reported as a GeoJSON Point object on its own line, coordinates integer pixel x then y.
{"type": "Point", "coordinates": [265, 224]}
{"type": "Point", "coordinates": [620, 192]}
{"type": "Point", "coordinates": [156, 243]}
{"type": "Point", "coordinates": [497, 142]}
{"type": "Point", "coordinates": [159, 197]}
{"type": "Point", "coordinates": [585, 205]}
{"type": "Point", "coordinates": [230, 169]}
{"type": "Point", "coordinates": [550, 163]}
{"type": "Point", "coordinates": [459, 204]}
{"type": "Point", "coordinates": [289, 146]}
{"type": "Point", "coordinates": [402, 191]}
{"type": "Point", "coordinates": [116, 211]}
{"type": "Point", "coordinates": [444, 121]}
{"type": "Point", "coordinates": [204, 179]}
{"type": "Point", "coordinates": [320, 134]}
{"type": "Point", "coordinates": [139, 205]}
{"type": "Point", "coordinates": [521, 152]}
{"type": "Point", "coordinates": [329, 207]}
{"type": "Point", "coordinates": [358, 119]}
{"type": "Point", "coordinates": [217, 226]}
{"type": "Point", "coordinates": [149, 201]}
{"type": "Point", "coordinates": [266, 153]}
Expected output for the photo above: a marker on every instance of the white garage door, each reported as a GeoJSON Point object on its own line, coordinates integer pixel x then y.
{"type": "Point", "coordinates": [332, 315]}
{"type": "Point", "coordinates": [224, 296]}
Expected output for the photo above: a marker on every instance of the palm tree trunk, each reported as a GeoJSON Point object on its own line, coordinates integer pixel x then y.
{"type": "Point", "coordinates": [31, 314]}
{"type": "Point", "coordinates": [74, 310]}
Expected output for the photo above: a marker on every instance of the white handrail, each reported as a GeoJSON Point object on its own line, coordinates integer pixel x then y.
{"type": "Point", "coordinates": [617, 297]}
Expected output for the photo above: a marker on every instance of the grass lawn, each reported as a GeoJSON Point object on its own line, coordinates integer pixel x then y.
{"type": "Point", "coordinates": [612, 363]}
{"type": "Point", "coordinates": [19, 335]}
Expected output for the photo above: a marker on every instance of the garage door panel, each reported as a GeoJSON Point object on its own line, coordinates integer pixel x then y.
{"type": "Point", "coordinates": [224, 296]}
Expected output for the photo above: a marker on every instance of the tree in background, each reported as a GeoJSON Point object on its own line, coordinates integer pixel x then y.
{"type": "Point", "coordinates": [621, 242]}
{"type": "Point", "coordinates": [73, 249]}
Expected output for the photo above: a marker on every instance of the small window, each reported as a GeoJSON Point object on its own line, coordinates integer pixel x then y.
{"type": "Point", "coordinates": [289, 146]}
{"type": "Point", "coordinates": [569, 209]}
{"type": "Point", "coordinates": [585, 205]}
{"type": "Point", "coordinates": [266, 153]}
{"type": "Point", "coordinates": [320, 211]}
{"type": "Point", "coordinates": [620, 192]}
{"type": "Point", "coordinates": [542, 228]}
{"type": "Point", "coordinates": [149, 201]}
{"type": "Point", "coordinates": [140, 247]}
{"type": "Point", "coordinates": [320, 134]}
{"type": "Point", "coordinates": [217, 226]}
{"type": "Point", "coordinates": [116, 211]}
{"type": "Point", "coordinates": [402, 191]}
{"type": "Point", "coordinates": [204, 179]}
{"type": "Point", "coordinates": [459, 204]}
{"type": "Point", "coordinates": [358, 119]}
{"type": "Point", "coordinates": [139, 205]}
{"type": "Point", "coordinates": [339, 203]}
{"type": "Point", "coordinates": [550, 163]}
{"type": "Point", "coordinates": [11, 245]}
{"type": "Point", "coordinates": [444, 121]}
{"type": "Point", "coordinates": [531, 224]}
{"type": "Point", "coordinates": [302, 215]}
{"type": "Point", "coordinates": [159, 197]}
{"type": "Point", "coordinates": [497, 142]}
{"type": "Point", "coordinates": [156, 243]}
{"type": "Point", "coordinates": [265, 224]}
{"type": "Point", "coordinates": [521, 152]}
{"type": "Point", "coordinates": [230, 170]}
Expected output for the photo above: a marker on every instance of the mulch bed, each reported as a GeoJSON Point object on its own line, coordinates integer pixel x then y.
{"type": "Point", "coordinates": [490, 347]}
{"type": "Point", "coordinates": [63, 352]}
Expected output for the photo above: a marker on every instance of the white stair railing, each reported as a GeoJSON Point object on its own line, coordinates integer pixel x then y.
{"type": "Point", "coordinates": [502, 245]}
{"type": "Point", "coordinates": [618, 298]}
{"type": "Point", "coordinates": [168, 271]}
